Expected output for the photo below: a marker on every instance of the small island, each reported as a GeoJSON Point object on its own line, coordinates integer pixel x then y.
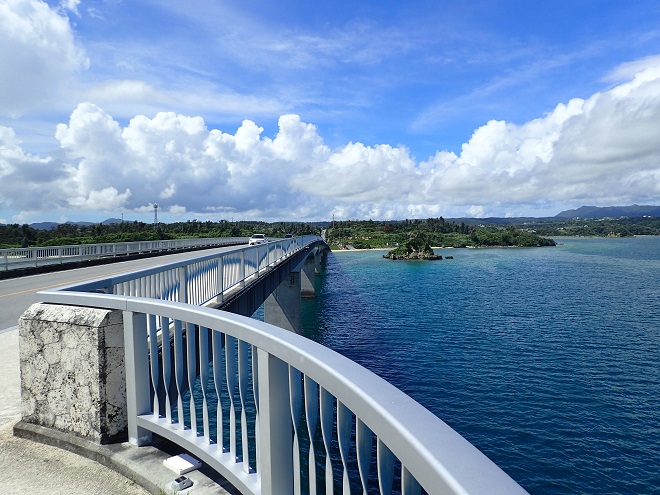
{"type": "Point", "coordinates": [417, 247]}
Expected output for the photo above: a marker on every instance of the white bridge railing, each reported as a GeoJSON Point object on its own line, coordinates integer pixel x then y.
{"type": "Point", "coordinates": [199, 280]}
{"type": "Point", "coordinates": [14, 258]}
{"type": "Point", "coordinates": [272, 411]}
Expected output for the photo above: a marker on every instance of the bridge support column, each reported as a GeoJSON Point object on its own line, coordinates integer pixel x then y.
{"type": "Point", "coordinates": [282, 307]}
{"type": "Point", "coordinates": [318, 257]}
{"type": "Point", "coordinates": [307, 278]}
{"type": "Point", "coordinates": [72, 370]}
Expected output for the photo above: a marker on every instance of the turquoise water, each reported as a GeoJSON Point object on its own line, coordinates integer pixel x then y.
{"type": "Point", "coordinates": [546, 359]}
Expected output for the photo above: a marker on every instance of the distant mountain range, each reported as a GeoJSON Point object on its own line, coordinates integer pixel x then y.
{"type": "Point", "coordinates": [611, 212]}
{"type": "Point", "coordinates": [582, 212]}
{"type": "Point", "coordinates": [52, 225]}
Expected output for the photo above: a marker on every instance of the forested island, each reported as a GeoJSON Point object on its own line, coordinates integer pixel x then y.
{"type": "Point", "coordinates": [481, 232]}
{"type": "Point", "coordinates": [359, 234]}
{"type": "Point", "coordinates": [417, 247]}
{"type": "Point", "coordinates": [438, 232]}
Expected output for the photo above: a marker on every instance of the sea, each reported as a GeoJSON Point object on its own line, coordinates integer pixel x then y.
{"type": "Point", "coordinates": [546, 359]}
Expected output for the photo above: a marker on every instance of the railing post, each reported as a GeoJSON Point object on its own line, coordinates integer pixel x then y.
{"type": "Point", "coordinates": [136, 359]}
{"type": "Point", "coordinates": [183, 283]}
{"type": "Point", "coordinates": [241, 270]}
{"type": "Point", "coordinates": [221, 280]}
{"type": "Point", "coordinates": [275, 429]}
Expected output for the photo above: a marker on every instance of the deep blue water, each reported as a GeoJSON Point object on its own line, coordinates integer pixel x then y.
{"type": "Point", "coordinates": [546, 359]}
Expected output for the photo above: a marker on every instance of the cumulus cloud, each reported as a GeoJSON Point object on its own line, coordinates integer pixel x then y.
{"type": "Point", "coordinates": [359, 173]}
{"type": "Point", "coordinates": [601, 150]}
{"type": "Point", "coordinates": [27, 182]}
{"type": "Point", "coordinates": [38, 49]}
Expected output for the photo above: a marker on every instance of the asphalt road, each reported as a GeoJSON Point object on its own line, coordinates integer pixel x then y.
{"type": "Point", "coordinates": [17, 294]}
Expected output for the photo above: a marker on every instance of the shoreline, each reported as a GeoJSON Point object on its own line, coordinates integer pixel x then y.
{"type": "Point", "coordinates": [358, 250]}
{"type": "Point", "coordinates": [486, 247]}
{"type": "Point", "coordinates": [388, 249]}
{"type": "Point", "coordinates": [432, 247]}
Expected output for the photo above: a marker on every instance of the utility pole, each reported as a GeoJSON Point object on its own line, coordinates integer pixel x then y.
{"type": "Point", "coordinates": [333, 225]}
{"type": "Point", "coordinates": [155, 216]}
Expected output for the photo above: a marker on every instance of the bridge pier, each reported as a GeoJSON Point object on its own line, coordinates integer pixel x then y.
{"type": "Point", "coordinates": [307, 277]}
{"type": "Point", "coordinates": [318, 259]}
{"type": "Point", "coordinates": [282, 307]}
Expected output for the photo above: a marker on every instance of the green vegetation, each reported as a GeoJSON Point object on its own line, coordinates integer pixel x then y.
{"type": "Point", "coordinates": [436, 231]}
{"type": "Point", "coordinates": [65, 234]}
{"type": "Point", "coordinates": [417, 247]}
{"type": "Point", "coordinates": [595, 227]}
{"type": "Point", "coordinates": [361, 234]}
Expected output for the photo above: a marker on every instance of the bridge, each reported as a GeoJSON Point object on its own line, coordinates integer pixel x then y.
{"type": "Point", "coordinates": [170, 351]}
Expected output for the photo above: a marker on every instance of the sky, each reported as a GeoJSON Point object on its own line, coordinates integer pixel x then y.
{"type": "Point", "coordinates": [301, 111]}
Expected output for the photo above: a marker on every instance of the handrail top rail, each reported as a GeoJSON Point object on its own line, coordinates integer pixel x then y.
{"type": "Point", "coordinates": [429, 448]}
{"type": "Point", "coordinates": [68, 246]}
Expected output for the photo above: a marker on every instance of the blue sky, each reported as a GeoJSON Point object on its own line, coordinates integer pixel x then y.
{"type": "Point", "coordinates": [300, 110]}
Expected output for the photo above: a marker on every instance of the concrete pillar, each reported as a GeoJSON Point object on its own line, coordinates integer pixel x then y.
{"type": "Point", "coordinates": [307, 278]}
{"type": "Point", "coordinates": [282, 307]}
{"type": "Point", "coordinates": [72, 370]}
{"type": "Point", "coordinates": [318, 256]}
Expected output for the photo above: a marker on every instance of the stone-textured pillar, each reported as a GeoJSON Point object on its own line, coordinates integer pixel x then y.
{"type": "Point", "coordinates": [72, 370]}
{"type": "Point", "coordinates": [282, 308]}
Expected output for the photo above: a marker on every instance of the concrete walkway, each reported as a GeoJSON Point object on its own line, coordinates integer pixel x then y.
{"type": "Point", "coordinates": [37, 467]}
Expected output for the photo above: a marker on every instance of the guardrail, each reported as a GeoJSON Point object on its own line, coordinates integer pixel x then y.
{"type": "Point", "coordinates": [272, 411]}
{"type": "Point", "coordinates": [16, 258]}
{"type": "Point", "coordinates": [201, 279]}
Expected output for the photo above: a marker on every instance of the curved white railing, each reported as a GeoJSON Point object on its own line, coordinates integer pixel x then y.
{"type": "Point", "coordinates": [201, 279]}
{"type": "Point", "coordinates": [246, 398]}
{"type": "Point", "coordinates": [11, 259]}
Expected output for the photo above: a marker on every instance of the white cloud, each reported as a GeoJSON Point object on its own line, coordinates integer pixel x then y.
{"type": "Point", "coordinates": [177, 210]}
{"type": "Point", "coordinates": [123, 98]}
{"type": "Point", "coordinates": [38, 50]}
{"type": "Point", "coordinates": [476, 211]}
{"type": "Point", "coordinates": [128, 91]}
{"type": "Point", "coordinates": [601, 150]}
{"type": "Point", "coordinates": [28, 182]}
{"type": "Point", "coordinates": [630, 70]}
{"type": "Point", "coordinates": [71, 5]}
{"type": "Point", "coordinates": [362, 173]}
{"type": "Point", "coordinates": [108, 199]}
